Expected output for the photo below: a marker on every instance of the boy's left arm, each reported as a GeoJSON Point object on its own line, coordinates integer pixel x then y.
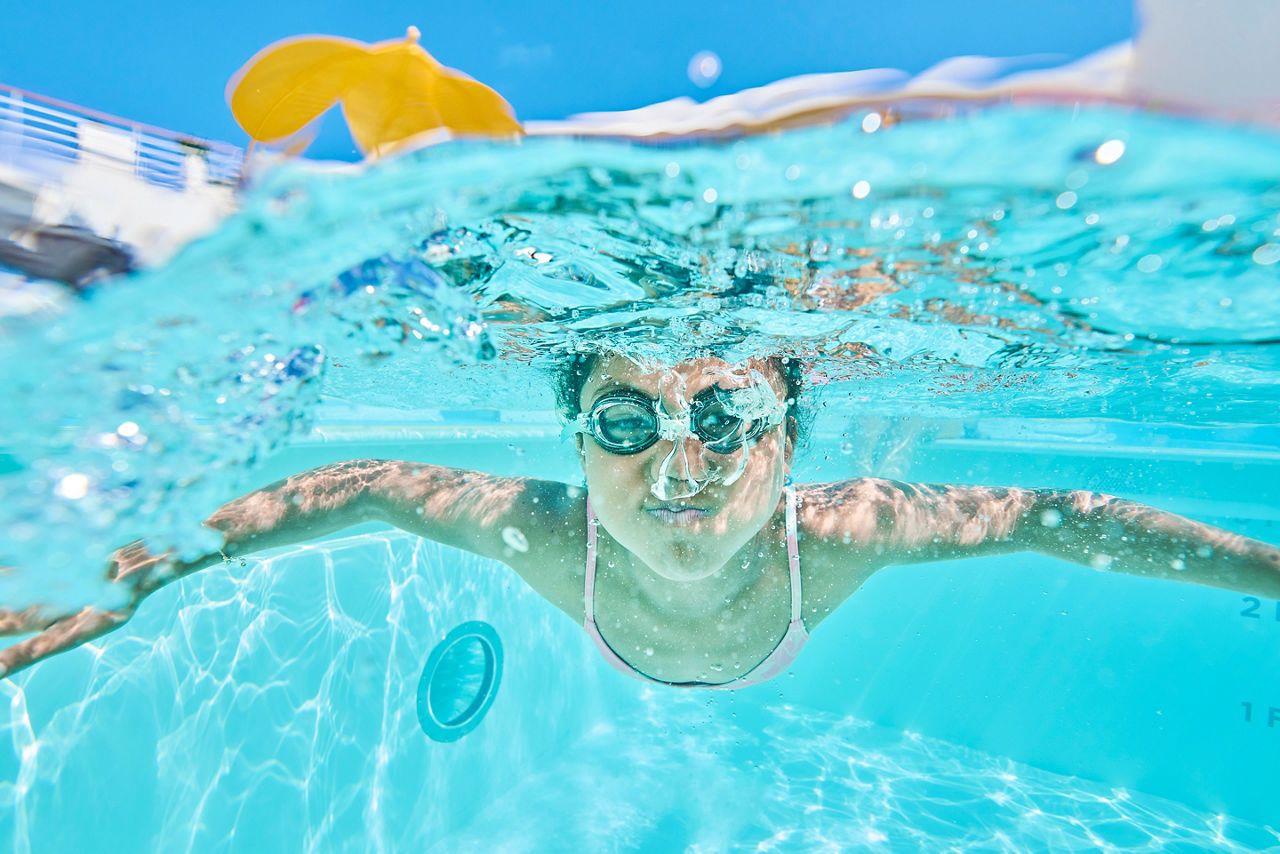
{"type": "Point", "coordinates": [905, 523]}
{"type": "Point", "coordinates": [1116, 535]}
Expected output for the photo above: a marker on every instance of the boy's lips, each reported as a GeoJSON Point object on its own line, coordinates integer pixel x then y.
{"type": "Point", "coordinates": [674, 514]}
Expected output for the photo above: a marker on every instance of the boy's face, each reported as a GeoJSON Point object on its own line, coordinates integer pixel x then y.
{"type": "Point", "coordinates": [681, 508]}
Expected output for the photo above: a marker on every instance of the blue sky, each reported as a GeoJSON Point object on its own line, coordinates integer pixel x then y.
{"type": "Point", "coordinates": [167, 63]}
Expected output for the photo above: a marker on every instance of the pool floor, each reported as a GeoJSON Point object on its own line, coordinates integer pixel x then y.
{"type": "Point", "coordinates": [688, 775]}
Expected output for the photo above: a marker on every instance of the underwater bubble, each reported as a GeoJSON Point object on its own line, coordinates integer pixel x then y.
{"type": "Point", "coordinates": [1109, 152]}
{"type": "Point", "coordinates": [73, 486]}
{"type": "Point", "coordinates": [1150, 263]}
{"type": "Point", "coordinates": [1267, 254]}
{"type": "Point", "coordinates": [515, 538]}
{"type": "Point", "coordinates": [1051, 518]}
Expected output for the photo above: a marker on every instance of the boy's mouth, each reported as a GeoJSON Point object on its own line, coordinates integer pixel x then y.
{"type": "Point", "coordinates": [677, 515]}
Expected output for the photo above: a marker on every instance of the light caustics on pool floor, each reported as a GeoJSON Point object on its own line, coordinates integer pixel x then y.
{"type": "Point", "coordinates": [252, 706]}
{"type": "Point", "coordinates": [685, 776]}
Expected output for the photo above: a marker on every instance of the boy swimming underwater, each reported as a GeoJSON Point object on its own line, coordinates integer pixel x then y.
{"type": "Point", "coordinates": [689, 558]}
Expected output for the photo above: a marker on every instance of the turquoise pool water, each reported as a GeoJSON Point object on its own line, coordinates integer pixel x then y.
{"type": "Point", "coordinates": [989, 298]}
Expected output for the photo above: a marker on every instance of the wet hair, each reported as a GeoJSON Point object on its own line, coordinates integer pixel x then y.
{"type": "Point", "coordinates": [577, 369]}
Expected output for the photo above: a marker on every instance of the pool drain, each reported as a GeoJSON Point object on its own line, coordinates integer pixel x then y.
{"type": "Point", "coordinates": [459, 681]}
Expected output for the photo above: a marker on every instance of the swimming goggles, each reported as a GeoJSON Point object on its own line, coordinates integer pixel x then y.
{"type": "Point", "coordinates": [724, 420]}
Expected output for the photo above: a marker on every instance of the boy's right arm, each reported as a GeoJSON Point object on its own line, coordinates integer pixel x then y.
{"type": "Point", "coordinates": [473, 511]}
{"type": "Point", "coordinates": [533, 526]}
{"type": "Point", "coordinates": [536, 527]}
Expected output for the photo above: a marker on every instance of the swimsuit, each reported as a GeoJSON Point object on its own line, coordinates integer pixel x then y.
{"type": "Point", "coordinates": [776, 662]}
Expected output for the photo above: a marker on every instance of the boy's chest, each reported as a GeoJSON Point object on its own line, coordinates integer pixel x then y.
{"type": "Point", "coordinates": [676, 648]}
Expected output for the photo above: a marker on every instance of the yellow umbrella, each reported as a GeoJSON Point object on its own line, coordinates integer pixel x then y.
{"type": "Point", "coordinates": [390, 92]}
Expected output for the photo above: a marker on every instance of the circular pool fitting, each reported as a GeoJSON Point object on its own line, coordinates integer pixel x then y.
{"type": "Point", "coordinates": [459, 681]}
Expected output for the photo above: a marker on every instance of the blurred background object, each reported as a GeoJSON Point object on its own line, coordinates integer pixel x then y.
{"type": "Point", "coordinates": [84, 194]}
{"type": "Point", "coordinates": [1215, 56]}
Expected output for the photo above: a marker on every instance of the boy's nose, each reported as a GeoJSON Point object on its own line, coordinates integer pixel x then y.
{"type": "Point", "coordinates": [683, 471]}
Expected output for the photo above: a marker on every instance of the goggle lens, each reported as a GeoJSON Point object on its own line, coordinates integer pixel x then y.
{"type": "Point", "coordinates": [717, 429]}
{"type": "Point", "coordinates": [624, 426]}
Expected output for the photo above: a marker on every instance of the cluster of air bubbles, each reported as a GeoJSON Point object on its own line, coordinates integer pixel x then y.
{"type": "Point", "coordinates": [394, 304]}
{"type": "Point", "coordinates": [148, 453]}
{"type": "Point", "coordinates": [142, 417]}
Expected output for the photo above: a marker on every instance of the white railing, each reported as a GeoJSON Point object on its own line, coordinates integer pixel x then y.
{"type": "Point", "coordinates": [40, 134]}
